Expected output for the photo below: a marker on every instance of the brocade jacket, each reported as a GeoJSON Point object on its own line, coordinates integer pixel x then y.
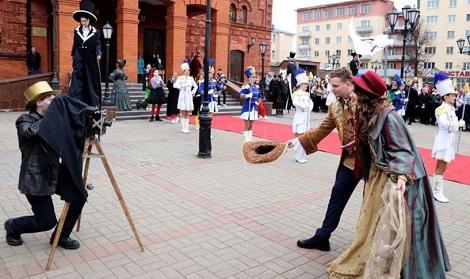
{"type": "Point", "coordinates": [342, 116]}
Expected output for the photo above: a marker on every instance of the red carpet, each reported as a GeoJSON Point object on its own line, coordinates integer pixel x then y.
{"type": "Point", "coordinates": [282, 132]}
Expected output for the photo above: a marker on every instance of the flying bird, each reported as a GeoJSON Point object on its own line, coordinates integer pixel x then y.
{"type": "Point", "coordinates": [367, 45]}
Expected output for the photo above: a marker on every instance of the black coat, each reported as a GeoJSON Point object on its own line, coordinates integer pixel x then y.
{"type": "Point", "coordinates": [277, 94]}
{"type": "Point", "coordinates": [63, 129]}
{"type": "Point", "coordinates": [38, 174]}
{"type": "Point", "coordinates": [354, 66]}
{"type": "Point", "coordinates": [86, 82]}
{"type": "Point", "coordinates": [173, 94]}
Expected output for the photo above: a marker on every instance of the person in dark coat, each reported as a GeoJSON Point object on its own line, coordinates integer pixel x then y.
{"type": "Point", "coordinates": [43, 172]}
{"type": "Point", "coordinates": [291, 66]}
{"type": "Point", "coordinates": [195, 66]}
{"type": "Point", "coordinates": [172, 110]}
{"type": "Point", "coordinates": [86, 52]}
{"type": "Point", "coordinates": [412, 106]}
{"type": "Point", "coordinates": [355, 63]}
{"type": "Point", "coordinates": [276, 90]}
{"type": "Point", "coordinates": [34, 61]}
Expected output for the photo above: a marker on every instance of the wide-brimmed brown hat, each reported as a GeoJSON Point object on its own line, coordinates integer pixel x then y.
{"type": "Point", "coordinates": [38, 90]}
{"type": "Point", "coordinates": [263, 151]}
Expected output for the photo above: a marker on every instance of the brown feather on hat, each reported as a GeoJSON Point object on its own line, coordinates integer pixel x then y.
{"type": "Point", "coordinates": [263, 151]}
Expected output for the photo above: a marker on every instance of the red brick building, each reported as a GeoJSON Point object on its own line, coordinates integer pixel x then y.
{"type": "Point", "coordinates": [172, 28]}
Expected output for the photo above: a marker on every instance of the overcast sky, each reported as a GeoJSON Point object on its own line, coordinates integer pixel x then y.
{"type": "Point", "coordinates": [284, 15]}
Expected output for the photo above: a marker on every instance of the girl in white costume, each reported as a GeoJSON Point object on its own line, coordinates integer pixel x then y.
{"type": "Point", "coordinates": [444, 148]}
{"type": "Point", "coordinates": [303, 106]}
{"type": "Point", "coordinates": [188, 88]}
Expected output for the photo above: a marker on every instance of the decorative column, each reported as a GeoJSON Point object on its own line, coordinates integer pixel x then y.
{"type": "Point", "coordinates": [176, 23]}
{"type": "Point", "coordinates": [65, 27]}
{"type": "Point", "coordinates": [127, 33]}
{"type": "Point", "coordinates": [220, 35]}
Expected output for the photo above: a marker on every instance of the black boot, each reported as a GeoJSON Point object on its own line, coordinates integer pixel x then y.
{"type": "Point", "coordinates": [316, 242]}
{"type": "Point", "coordinates": [157, 118]}
{"type": "Point", "coordinates": [13, 239]}
{"type": "Point", "coordinates": [66, 243]}
{"type": "Point", "coordinates": [151, 118]}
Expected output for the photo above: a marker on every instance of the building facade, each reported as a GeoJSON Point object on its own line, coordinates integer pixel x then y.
{"type": "Point", "coordinates": [172, 28]}
{"type": "Point", "coordinates": [446, 22]}
{"type": "Point", "coordinates": [282, 43]}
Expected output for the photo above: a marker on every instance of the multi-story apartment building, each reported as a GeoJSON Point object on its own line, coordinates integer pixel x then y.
{"type": "Point", "coordinates": [447, 21]}
{"type": "Point", "coordinates": [282, 42]}
{"type": "Point", "coordinates": [324, 30]}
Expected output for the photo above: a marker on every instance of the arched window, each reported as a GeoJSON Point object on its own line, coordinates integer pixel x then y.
{"type": "Point", "coordinates": [233, 13]}
{"type": "Point", "coordinates": [244, 14]}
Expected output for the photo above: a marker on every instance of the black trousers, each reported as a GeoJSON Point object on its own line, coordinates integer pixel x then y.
{"type": "Point", "coordinates": [224, 95]}
{"type": "Point", "coordinates": [344, 186]}
{"type": "Point", "coordinates": [44, 217]}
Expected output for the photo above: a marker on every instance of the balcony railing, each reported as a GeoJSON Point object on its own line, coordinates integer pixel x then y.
{"type": "Point", "coordinates": [397, 57]}
{"type": "Point", "coordinates": [302, 46]}
{"type": "Point", "coordinates": [364, 29]}
{"type": "Point", "coordinates": [304, 34]}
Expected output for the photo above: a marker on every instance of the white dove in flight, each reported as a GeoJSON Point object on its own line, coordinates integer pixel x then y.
{"type": "Point", "coordinates": [367, 45]}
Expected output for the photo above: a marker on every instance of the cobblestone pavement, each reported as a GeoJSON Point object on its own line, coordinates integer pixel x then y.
{"type": "Point", "coordinates": [202, 218]}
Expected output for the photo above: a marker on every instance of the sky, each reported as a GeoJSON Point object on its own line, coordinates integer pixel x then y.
{"type": "Point", "coordinates": [284, 15]}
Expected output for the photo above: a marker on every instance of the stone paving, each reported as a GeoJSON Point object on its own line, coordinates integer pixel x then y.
{"type": "Point", "coordinates": [202, 218]}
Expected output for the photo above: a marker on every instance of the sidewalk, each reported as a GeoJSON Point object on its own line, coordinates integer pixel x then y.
{"type": "Point", "coordinates": [201, 218]}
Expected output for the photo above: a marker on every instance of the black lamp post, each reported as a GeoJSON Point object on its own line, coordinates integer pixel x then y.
{"type": "Point", "coordinates": [262, 50]}
{"type": "Point", "coordinates": [335, 60]}
{"type": "Point", "coordinates": [461, 44]}
{"type": "Point", "coordinates": [107, 33]}
{"type": "Point", "coordinates": [205, 118]}
{"type": "Point", "coordinates": [410, 16]}
{"type": "Point", "coordinates": [376, 65]}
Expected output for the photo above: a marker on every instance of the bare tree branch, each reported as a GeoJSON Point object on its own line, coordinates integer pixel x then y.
{"type": "Point", "coordinates": [417, 52]}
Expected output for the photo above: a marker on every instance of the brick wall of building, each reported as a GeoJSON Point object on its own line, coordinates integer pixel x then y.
{"type": "Point", "coordinates": [12, 38]}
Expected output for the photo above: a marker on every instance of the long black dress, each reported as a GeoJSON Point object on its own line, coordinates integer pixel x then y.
{"type": "Point", "coordinates": [173, 94]}
{"type": "Point", "coordinates": [85, 82]}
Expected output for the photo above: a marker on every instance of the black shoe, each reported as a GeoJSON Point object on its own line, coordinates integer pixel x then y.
{"type": "Point", "coordinates": [13, 239]}
{"type": "Point", "coordinates": [67, 243]}
{"type": "Point", "coordinates": [151, 118]}
{"type": "Point", "coordinates": [316, 242]}
{"type": "Point", "coordinates": [157, 118]}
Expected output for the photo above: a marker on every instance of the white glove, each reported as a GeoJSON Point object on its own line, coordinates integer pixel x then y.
{"type": "Point", "coordinates": [299, 151]}
{"type": "Point", "coordinates": [454, 126]}
{"type": "Point", "coordinates": [406, 100]}
{"type": "Point", "coordinates": [249, 96]}
{"type": "Point", "coordinates": [462, 123]}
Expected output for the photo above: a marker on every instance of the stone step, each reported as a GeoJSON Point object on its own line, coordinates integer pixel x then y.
{"type": "Point", "coordinates": [145, 114]}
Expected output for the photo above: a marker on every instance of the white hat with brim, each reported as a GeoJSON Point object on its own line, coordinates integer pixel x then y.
{"type": "Point", "coordinates": [301, 78]}
{"type": "Point", "coordinates": [445, 87]}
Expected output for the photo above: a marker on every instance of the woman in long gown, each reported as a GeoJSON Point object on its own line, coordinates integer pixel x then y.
{"type": "Point", "coordinates": [387, 155]}
{"type": "Point", "coordinates": [85, 82]}
{"type": "Point", "coordinates": [121, 95]}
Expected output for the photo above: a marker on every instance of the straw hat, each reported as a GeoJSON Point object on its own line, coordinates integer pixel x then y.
{"type": "Point", "coordinates": [263, 151]}
{"type": "Point", "coordinates": [37, 90]}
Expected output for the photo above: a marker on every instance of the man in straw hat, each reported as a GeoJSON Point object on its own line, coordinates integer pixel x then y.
{"type": "Point", "coordinates": [342, 116]}
{"type": "Point", "coordinates": [40, 177]}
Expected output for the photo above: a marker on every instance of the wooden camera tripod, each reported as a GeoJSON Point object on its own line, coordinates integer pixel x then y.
{"type": "Point", "coordinates": [110, 174]}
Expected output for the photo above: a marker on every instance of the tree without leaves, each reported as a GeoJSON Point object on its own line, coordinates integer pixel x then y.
{"type": "Point", "coordinates": [417, 52]}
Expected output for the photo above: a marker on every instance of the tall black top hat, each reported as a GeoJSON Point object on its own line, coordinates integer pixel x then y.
{"type": "Point", "coordinates": [291, 55]}
{"type": "Point", "coordinates": [86, 10]}
{"type": "Point", "coordinates": [354, 53]}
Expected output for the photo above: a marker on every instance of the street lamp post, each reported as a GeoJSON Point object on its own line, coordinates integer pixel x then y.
{"type": "Point", "coordinates": [205, 118]}
{"type": "Point", "coordinates": [410, 16]}
{"type": "Point", "coordinates": [376, 65]}
{"type": "Point", "coordinates": [107, 33]}
{"type": "Point", "coordinates": [461, 44]}
{"type": "Point", "coordinates": [262, 50]}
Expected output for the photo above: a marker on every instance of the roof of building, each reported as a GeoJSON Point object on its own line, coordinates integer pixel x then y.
{"type": "Point", "coordinates": [276, 30]}
{"type": "Point", "coordinates": [337, 4]}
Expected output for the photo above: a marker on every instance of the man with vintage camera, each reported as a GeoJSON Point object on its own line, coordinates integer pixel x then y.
{"type": "Point", "coordinates": [43, 172]}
